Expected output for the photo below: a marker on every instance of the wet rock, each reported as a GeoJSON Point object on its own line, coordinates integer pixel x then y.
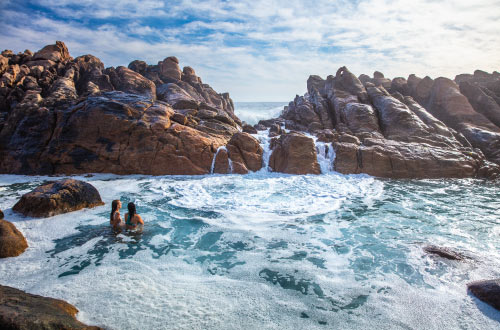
{"type": "Point", "coordinates": [221, 162]}
{"type": "Point", "coordinates": [12, 241]}
{"type": "Point", "coordinates": [444, 252]}
{"type": "Point", "coordinates": [275, 130]}
{"type": "Point", "coordinates": [21, 310]}
{"type": "Point", "coordinates": [245, 153]}
{"type": "Point", "coordinates": [294, 153]}
{"type": "Point", "coordinates": [58, 197]}
{"type": "Point", "coordinates": [487, 291]}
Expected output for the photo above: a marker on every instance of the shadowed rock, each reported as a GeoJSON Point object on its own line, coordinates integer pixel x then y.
{"type": "Point", "coordinates": [245, 153]}
{"type": "Point", "coordinates": [58, 197]}
{"type": "Point", "coordinates": [488, 291]}
{"type": "Point", "coordinates": [21, 310]}
{"type": "Point", "coordinates": [12, 241]}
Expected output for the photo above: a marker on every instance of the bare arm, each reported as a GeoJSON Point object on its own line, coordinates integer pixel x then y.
{"type": "Point", "coordinates": [139, 220]}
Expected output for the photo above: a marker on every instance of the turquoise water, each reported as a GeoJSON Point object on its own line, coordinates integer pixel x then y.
{"type": "Point", "coordinates": [267, 251]}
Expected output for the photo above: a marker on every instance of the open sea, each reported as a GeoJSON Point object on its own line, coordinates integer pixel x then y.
{"type": "Point", "coordinates": [266, 250]}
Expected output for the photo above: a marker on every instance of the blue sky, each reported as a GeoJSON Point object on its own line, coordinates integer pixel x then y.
{"type": "Point", "coordinates": [265, 50]}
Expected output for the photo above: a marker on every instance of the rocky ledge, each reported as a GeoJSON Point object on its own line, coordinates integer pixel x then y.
{"type": "Point", "coordinates": [64, 115]}
{"type": "Point", "coordinates": [401, 128]}
{"type": "Point", "coordinates": [21, 310]}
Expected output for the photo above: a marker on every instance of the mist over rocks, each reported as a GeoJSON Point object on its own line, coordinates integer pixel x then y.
{"type": "Point", "coordinates": [403, 128]}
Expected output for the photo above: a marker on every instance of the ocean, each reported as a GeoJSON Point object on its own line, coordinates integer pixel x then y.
{"type": "Point", "coordinates": [266, 250]}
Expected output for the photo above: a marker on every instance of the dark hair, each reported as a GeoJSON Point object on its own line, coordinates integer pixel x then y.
{"type": "Point", "coordinates": [114, 207]}
{"type": "Point", "coordinates": [131, 211]}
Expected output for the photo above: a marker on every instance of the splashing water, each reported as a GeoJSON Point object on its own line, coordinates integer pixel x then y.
{"type": "Point", "coordinates": [265, 250]}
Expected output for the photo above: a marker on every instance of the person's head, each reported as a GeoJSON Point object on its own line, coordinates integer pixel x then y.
{"type": "Point", "coordinates": [115, 205]}
{"type": "Point", "coordinates": [131, 209]}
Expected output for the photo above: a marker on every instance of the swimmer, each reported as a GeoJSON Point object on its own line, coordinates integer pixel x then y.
{"type": "Point", "coordinates": [115, 220]}
{"type": "Point", "coordinates": [132, 219]}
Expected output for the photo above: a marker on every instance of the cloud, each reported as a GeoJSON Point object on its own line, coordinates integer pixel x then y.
{"type": "Point", "coordinates": [265, 50]}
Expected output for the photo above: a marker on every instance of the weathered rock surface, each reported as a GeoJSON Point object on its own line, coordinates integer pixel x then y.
{"type": "Point", "coordinates": [60, 115]}
{"type": "Point", "coordinates": [487, 291]}
{"type": "Point", "coordinates": [415, 128]}
{"type": "Point", "coordinates": [12, 241]}
{"type": "Point", "coordinates": [58, 197]}
{"type": "Point", "coordinates": [21, 310]}
{"type": "Point", "coordinates": [294, 153]}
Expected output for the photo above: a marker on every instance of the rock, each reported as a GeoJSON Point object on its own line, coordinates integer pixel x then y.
{"type": "Point", "coordinates": [169, 69]}
{"type": "Point", "coordinates": [176, 96]}
{"type": "Point", "coordinates": [58, 197]}
{"type": "Point", "coordinates": [221, 162]}
{"type": "Point", "coordinates": [126, 80]}
{"type": "Point", "coordinates": [481, 102]}
{"type": "Point", "coordinates": [138, 66]}
{"type": "Point", "coordinates": [57, 53]}
{"type": "Point", "coordinates": [452, 108]}
{"type": "Point", "coordinates": [12, 241]}
{"type": "Point", "coordinates": [249, 129]}
{"type": "Point", "coordinates": [245, 153]}
{"type": "Point", "coordinates": [487, 291]}
{"type": "Point", "coordinates": [260, 127]}
{"type": "Point", "coordinates": [390, 159]}
{"type": "Point", "coordinates": [444, 252]}
{"type": "Point", "coordinates": [1, 215]}
{"type": "Point", "coordinates": [21, 310]}
{"type": "Point", "coordinates": [294, 153]}
{"type": "Point", "coordinates": [400, 85]}
{"type": "Point", "coordinates": [275, 130]}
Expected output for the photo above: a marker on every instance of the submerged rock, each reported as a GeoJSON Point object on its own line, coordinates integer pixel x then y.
{"type": "Point", "coordinates": [58, 197]}
{"type": "Point", "coordinates": [294, 153]}
{"type": "Point", "coordinates": [488, 291]}
{"type": "Point", "coordinates": [12, 241]}
{"type": "Point", "coordinates": [444, 252]}
{"type": "Point", "coordinates": [21, 310]}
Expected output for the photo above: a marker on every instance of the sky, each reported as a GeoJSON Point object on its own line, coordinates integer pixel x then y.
{"type": "Point", "coordinates": [265, 50]}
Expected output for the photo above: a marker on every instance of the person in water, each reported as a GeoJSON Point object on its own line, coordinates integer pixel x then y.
{"type": "Point", "coordinates": [115, 219]}
{"type": "Point", "coordinates": [132, 219]}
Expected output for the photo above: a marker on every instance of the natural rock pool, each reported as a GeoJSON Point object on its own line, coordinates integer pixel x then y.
{"type": "Point", "coordinates": [266, 250]}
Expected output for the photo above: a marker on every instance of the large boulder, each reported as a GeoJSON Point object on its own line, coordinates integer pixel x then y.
{"type": "Point", "coordinates": [12, 241]}
{"type": "Point", "coordinates": [294, 153]}
{"type": "Point", "coordinates": [487, 291]}
{"type": "Point", "coordinates": [21, 310]}
{"type": "Point", "coordinates": [58, 197]}
{"type": "Point", "coordinates": [58, 52]}
{"type": "Point", "coordinates": [169, 69]}
{"type": "Point", "coordinates": [245, 153]}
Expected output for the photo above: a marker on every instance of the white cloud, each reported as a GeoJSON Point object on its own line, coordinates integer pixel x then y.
{"type": "Point", "coordinates": [265, 50]}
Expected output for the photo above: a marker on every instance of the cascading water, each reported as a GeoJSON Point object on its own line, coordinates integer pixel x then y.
{"type": "Point", "coordinates": [215, 157]}
{"type": "Point", "coordinates": [326, 156]}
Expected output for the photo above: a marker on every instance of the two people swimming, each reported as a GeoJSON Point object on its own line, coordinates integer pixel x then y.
{"type": "Point", "coordinates": [132, 219]}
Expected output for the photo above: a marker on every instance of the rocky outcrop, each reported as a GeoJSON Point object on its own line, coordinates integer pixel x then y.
{"type": "Point", "coordinates": [12, 241]}
{"type": "Point", "coordinates": [1, 214]}
{"type": "Point", "coordinates": [401, 128]}
{"type": "Point", "coordinates": [58, 197]}
{"type": "Point", "coordinates": [21, 310]}
{"type": "Point", "coordinates": [488, 291]}
{"type": "Point", "coordinates": [60, 115]}
{"type": "Point", "coordinates": [294, 153]}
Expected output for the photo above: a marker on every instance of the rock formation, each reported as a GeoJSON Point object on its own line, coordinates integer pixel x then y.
{"type": "Point", "coordinates": [21, 310]}
{"type": "Point", "coordinates": [12, 241]}
{"type": "Point", "coordinates": [58, 197]}
{"type": "Point", "coordinates": [487, 291]}
{"type": "Point", "coordinates": [415, 128]}
{"type": "Point", "coordinates": [60, 115]}
{"type": "Point", "coordinates": [294, 153]}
